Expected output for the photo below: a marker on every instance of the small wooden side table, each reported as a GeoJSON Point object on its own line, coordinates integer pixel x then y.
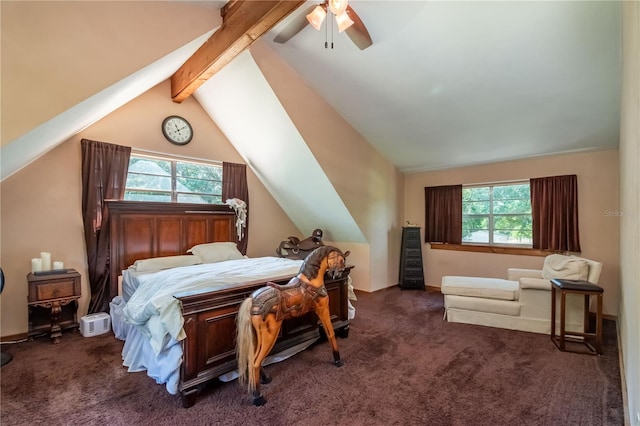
{"type": "Point", "coordinates": [53, 302]}
{"type": "Point", "coordinates": [586, 289]}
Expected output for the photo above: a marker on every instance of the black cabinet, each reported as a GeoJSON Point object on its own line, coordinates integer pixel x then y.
{"type": "Point", "coordinates": [411, 272]}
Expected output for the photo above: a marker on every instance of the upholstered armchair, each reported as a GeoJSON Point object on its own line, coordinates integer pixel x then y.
{"type": "Point", "coordinates": [535, 285]}
{"type": "Point", "coordinates": [557, 266]}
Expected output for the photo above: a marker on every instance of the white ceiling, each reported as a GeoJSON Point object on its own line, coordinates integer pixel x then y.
{"type": "Point", "coordinates": [455, 83]}
{"type": "Point", "coordinates": [444, 84]}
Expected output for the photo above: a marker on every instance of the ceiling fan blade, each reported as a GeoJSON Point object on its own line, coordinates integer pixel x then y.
{"type": "Point", "coordinates": [297, 24]}
{"type": "Point", "coordinates": [358, 32]}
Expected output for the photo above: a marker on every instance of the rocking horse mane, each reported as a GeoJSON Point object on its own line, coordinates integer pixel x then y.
{"type": "Point", "coordinates": [311, 265]}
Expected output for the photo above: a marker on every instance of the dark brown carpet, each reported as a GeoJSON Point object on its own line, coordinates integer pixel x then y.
{"type": "Point", "coordinates": [404, 365]}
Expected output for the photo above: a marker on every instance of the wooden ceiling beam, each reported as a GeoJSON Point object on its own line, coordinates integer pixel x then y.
{"type": "Point", "coordinates": [243, 22]}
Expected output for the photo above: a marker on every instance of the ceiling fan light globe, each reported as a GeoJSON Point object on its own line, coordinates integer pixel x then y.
{"type": "Point", "coordinates": [338, 7]}
{"type": "Point", "coordinates": [316, 17]}
{"type": "Point", "coordinates": [343, 21]}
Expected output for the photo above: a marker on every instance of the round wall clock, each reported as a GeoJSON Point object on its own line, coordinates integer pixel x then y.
{"type": "Point", "coordinates": [177, 130]}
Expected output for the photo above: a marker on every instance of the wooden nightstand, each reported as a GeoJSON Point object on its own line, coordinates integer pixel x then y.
{"type": "Point", "coordinates": [53, 303]}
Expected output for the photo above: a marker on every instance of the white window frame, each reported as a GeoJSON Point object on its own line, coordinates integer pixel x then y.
{"type": "Point", "coordinates": [174, 160]}
{"type": "Point", "coordinates": [491, 215]}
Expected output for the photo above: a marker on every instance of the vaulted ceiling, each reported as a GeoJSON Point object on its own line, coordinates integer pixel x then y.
{"type": "Point", "coordinates": [450, 83]}
{"type": "Point", "coordinates": [457, 83]}
{"type": "Point", "coordinates": [444, 84]}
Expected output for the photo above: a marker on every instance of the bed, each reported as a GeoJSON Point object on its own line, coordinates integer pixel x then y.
{"type": "Point", "coordinates": [199, 347]}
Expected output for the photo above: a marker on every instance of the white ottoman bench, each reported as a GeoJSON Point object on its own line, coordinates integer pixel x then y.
{"type": "Point", "coordinates": [483, 301]}
{"type": "Point", "coordinates": [496, 302]}
{"type": "Point", "coordinates": [488, 288]}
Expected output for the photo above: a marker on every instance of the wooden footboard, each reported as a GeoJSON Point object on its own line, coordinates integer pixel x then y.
{"type": "Point", "coordinates": [210, 325]}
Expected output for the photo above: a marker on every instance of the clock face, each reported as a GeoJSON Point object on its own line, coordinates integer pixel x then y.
{"type": "Point", "coordinates": [177, 130]}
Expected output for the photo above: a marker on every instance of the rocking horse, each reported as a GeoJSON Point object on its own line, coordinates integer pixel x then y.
{"type": "Point", "coordinates": [260, 316]}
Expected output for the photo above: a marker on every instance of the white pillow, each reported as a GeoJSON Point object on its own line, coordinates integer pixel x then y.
{"type": "Point", "coordinates": [567, 267]}
{"type": "Point", "coordinates": [166, 262]}
{"type": "Point", "coordinates": [216, 252]}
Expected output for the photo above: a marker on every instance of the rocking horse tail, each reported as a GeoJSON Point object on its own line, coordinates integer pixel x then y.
{"type": "Point", "coordinates": [245, 345]}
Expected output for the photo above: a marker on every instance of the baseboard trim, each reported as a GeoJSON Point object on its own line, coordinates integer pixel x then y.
{"type": "Point", "coordinates": [623, 381]}
{"type": "Point", "coordinates": [14, 338]}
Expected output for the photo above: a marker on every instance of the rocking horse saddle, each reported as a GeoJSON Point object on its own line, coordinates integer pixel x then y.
{"type": "Point", "coordinates": [285, 301]}
{"type": "Point", "coordinates": [294, 248]}
{"type": "Point", "coordinates": [294, 283]}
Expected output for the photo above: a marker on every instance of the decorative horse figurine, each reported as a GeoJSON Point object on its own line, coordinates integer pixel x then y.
{"type": "Point", "coordinates": [260, 316]}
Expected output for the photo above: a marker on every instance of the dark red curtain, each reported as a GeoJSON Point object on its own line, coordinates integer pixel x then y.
{"type": "Point", "coordinates": [234, 185]}
{"type": "Point", "coordinates": [443, 208]}
{"type": "Point", "coordinates": [104, 175]}
{"type": "Point", "coordinates": [554, 206]}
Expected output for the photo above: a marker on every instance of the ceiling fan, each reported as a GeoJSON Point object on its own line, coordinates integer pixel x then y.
{"type": "Point", "coordinates": [346, 18]}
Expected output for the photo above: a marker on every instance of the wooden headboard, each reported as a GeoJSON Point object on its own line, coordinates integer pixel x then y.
{"type": "Point", "coordinates": [141, 230]}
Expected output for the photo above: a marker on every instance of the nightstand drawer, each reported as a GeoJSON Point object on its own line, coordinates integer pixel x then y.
{"type": "Point", "coordinates": [55, 290]}
{"type": "Point", "coordinates": [53, 286]}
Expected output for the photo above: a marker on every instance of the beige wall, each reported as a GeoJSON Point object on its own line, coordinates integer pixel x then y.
{"type": "Point", "coordinates": [629, 317]}
{"type": "Point", "coordinates": [47, 68]}
{"type": "Point", "coordinates": [597, 194]}
{"type": "Point", "coordinates": [369, 185]}
{"type": "Point", "coordinates": [41, 204]}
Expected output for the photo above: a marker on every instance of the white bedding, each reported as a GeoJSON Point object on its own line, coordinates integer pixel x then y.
{"type": "Point", "coordinates": [154, 307]}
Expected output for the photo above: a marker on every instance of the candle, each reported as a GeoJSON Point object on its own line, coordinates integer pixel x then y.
{"type": "Point", "coordinates": [46, 260]}
{"type": "Point", "coordinates": [58, 265]}
{"type": "Point", "coordinates": [36, 264]}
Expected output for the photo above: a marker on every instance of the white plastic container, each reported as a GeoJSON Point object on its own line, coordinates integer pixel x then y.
{"type": "Point", "coordinates": [95, 324]}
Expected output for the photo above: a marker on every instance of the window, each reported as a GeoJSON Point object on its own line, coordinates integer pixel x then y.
{"type": "Point", "coordinates": [152, 178]}
{"type": "Point", "coordinates": [497, 214]}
